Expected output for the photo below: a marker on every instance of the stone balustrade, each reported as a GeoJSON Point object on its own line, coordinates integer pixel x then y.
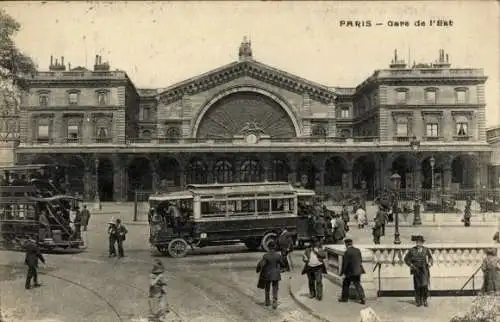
{"type": "Point", "coordinates": [386, 271]}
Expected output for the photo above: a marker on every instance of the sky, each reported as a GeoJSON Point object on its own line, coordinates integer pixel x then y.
{"type": "Point", "coordinates": [161, 43]}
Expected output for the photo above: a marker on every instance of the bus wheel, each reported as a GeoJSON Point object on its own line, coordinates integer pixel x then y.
{"type": "Point", "coordinates": [162, 249]}
{"type": "Point", "coordinates": [267, 239]}
{"type": "Point", "coordinates": [178, 248]}
{"type": "Point", "coordinates": [252, 244]}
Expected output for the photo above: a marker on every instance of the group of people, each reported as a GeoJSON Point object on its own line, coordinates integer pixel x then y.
{"type": "Point", "coordinates": [117, 234]}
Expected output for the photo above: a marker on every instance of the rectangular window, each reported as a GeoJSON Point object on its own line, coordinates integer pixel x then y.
{"type": "Point", "coordinates": [402, 96]}
{"type": "Point", "coordinates": [432, 129]}
{"type": "Point", "coordinates": [103, 135]}
{"type": "Point", "coordinates": [73, 133]}
{"type": "Point", "coordinates": [402, 129]}
{"type": "Point", "coordinates": [462, 129]}
{"type": "Point", "coordinates": [73, 98]}
{"type": "Point", "coordinates": [44, 100]}
{"type": "Point", "coordinates": [263, 206]}
{"type": "Point", "coordinates": [430, 97]}
{"type": "Point", "coordinates": [344, 112]}
{"type": "Point", "coordinates": [146, 114]}
{"type": "Point", "coordinates": [461, 97]}
{"type": "Point", "coordinates": [213, 209]}
{"type": "Point", "coordinates": [43, 134]}
{"type": "Point", "coordinates": [101, 98]}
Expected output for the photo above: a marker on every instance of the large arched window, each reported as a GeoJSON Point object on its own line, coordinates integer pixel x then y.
{"type": "Point", "coordinates": [223, 171]}
{"type": "Point", "coordinates": [250, 171]}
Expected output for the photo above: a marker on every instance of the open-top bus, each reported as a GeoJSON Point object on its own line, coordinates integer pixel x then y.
{"type": "Point", "coordinates": [215, 214]}
{"type": "Point", "coordinates": [33, 206]}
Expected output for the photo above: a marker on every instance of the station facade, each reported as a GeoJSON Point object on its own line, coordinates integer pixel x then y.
{"type": "Point", "coordinates": [247, 121]}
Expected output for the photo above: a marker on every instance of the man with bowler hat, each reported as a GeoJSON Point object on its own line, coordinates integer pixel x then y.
{"type": "Point", "coordinates": [33, 254]}
{"type": "Point", "coordinates": [352, 269]}
{"type": "Point", "coordinates": [419, 259]}
{"type": "Point", "coordinates": [269, 268]}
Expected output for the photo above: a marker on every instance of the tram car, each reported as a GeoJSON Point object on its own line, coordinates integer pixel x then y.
{"type": "Point", "coordinates": [222, 214]}
{"type": "Point", "coordinates": [33, 207]}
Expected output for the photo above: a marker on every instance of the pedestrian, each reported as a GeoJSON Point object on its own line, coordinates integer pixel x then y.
{"type": "Point", "coordinates": [419, 259]}
{"type": "Point", "coordinates": [378, 224]}
{"type": "Point", "coordinates": [158, 307]}
{"type": "Point", "coordinates": [85, 215]}
{"type": "Point", "coordinates": [314, 257]}
{"type": "Point", "coordinates": [467, 214]}
{"type": "Point", "coordinates": [345, 217]}
{"type": "Point", "coordinates": [361, 217]}
{"type": "Point", "coordinates": [491, 272]}
{"type": "Point", "coordinates": [269, 269]}
{"type": "Point", "coordinates": [285, 245]}
{"type": "Point", "coordinates": [33, 254]}
{"type": "Point", "coordinates": [112, 234]}
{"type": "Point", "coordinates": [319, 226]}
{"type": "Point", "coordinates": [121, 236]}
{"type": "Point", "coordinates": [352, 269]}
{"type": "Point", "coordinates": [338, 229]}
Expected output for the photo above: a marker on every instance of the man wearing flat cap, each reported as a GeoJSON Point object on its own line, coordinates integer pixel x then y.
{"type": "Point", "coordinates": [314, 267]}
{"type": "Point", "coordinates": [269, 269]}
{"type": "Point", "coordinates": [352, 269]}
{"type": "Point", "coordinates": [419, 259]}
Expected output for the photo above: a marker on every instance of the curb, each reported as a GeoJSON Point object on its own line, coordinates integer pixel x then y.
{"type": "Point", "coordinates": [304, 306]}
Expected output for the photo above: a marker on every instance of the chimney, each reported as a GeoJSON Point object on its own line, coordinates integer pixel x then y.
{"type": "Point", "coordinates": [51, 60]}
{"type": "Point", "coordinates": [96, 59]}
{"type": "Point", "coordinates": [62, 60]}
{"type": "Point", "coordinates": [447, 60]}
{"type": "Point", "coordinates": [69, 66]}
{"type": "Point", "coordinates": [443, 61]}
{"type": "Point", "coordinates": [100, 60]}
{"type": "Point", "coordinates": [397, 63]}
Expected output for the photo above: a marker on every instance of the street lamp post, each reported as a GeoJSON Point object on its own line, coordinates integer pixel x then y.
{"type": "Point", "coordinates": [396, 182]}
{"type": "Point", "coordinates": [97, 197]}
{"type": "Point", "coordinates": [415, 145]}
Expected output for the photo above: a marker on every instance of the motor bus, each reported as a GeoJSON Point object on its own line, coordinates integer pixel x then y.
{"type": "Point", "coordinates": [222, 214]}
{"type": "Point", "coordinates": [32, 206]}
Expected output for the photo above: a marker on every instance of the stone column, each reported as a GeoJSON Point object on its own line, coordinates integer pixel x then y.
{"type": "Point", "coordinates": [417, 177]}
{"type": "Point", "coordinates": [209, 163]}
{"type": "Point", "coordinates": [447, 177]}
{"type": "Point", "coordinates": [119, 178]}
{"type": "Point", "coordinates": [266, 167]}
{"type": "Point", "coordinates": [292, 164]}
{"type": "Point", "coordinates": [319, 164]}
{"type": "Point", "coordinates": [155, 177]}
{"type": "Point", "coordinates": [87, 183]}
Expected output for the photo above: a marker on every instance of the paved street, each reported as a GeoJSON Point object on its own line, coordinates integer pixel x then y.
{"type": "Point", "coordinates": [212, 285]}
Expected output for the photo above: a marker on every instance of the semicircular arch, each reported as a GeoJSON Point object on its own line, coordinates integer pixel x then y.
{"type": "Point", "coordinates": [269, 98]}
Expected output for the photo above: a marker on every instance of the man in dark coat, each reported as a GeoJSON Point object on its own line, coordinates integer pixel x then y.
{"type": "Point", "coordinates": [379, 223]}
{"type": "Point", "coordinates": [33, 254]}
{"type": "Point", "coordinates": [269, 268]}
{"type": "Point", "coordinates": [352, 269]}
{"type": "Point", "coordinates": [285, 245]}
{"type": "Point", "coordinates": [419, 259]}
{"type": "Point", "coordinates": [345, 217]}
{"type": "Point", "coordinates": [121, 235]}
{"type": "Point", "coordinates": [319, 226]}
{"type": "Point", "coordinates": [85, 215]}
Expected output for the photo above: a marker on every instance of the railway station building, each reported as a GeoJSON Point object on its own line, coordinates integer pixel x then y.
{"type": "Point", "coordinates": [248, 121]}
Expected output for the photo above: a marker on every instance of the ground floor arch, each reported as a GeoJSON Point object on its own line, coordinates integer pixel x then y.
{"type": "Point", "coordinates": [76, 176]}
{"type": "Point", "coordinates": [364, 174]}
{"type": "Point", "coordinates": [105, 173]}
{"type": "Point", "coordinates": [196, 171]}
{"type": "Point", "coordinates": [464, 171]}
{"type": "Point", "coordinates": [307, 173]}
{"type": "Point", "coordinates": [406, 167]}
{"type": "Point", "coordinates": [251, 171]}
{"type": "Point", "coordinates": [280, 170]}
{"type": "Point", "coordinates": [223, 171]}
{"type": "Point", "coordinates": [169, 173]}
{"type": "Point", "coordinates": [139, 173]}
{"type": "Point", "coordinates": [335, 171]}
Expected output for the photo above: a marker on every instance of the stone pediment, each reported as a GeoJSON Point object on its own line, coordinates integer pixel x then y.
{"type": "Point", "coordinates": [252, 69]}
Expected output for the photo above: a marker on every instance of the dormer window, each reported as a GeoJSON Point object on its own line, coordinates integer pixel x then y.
{"type": "Point", "coordinates": [73, 98]}
{"type": "Point", "coordinates": [401, 95]}
{"type": "Point", "coordinates": [431, 95]}
{"type": "Point", "coordinates": [461, 95]}
{"type": "Point", "coordinates": [102, 98]}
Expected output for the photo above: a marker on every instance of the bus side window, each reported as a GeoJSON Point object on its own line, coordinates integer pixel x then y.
{"type": "Point", "coordinates": [278, 205]}
{"type": "Point", "coordinates": [263, 206]}
{"type": "Point", "coordinates": [213, 209]}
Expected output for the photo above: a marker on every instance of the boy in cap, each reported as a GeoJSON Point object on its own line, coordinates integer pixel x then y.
{"type": "Point", "coordinates": [419, 259]}
{"type": "Point", "coordinates": [158, 306]}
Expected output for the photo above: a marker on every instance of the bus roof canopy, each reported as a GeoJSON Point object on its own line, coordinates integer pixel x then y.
{"type": "Point", "coordinates": [30, 167]}
{"type": "Point", "coordinates": [250, 188]}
